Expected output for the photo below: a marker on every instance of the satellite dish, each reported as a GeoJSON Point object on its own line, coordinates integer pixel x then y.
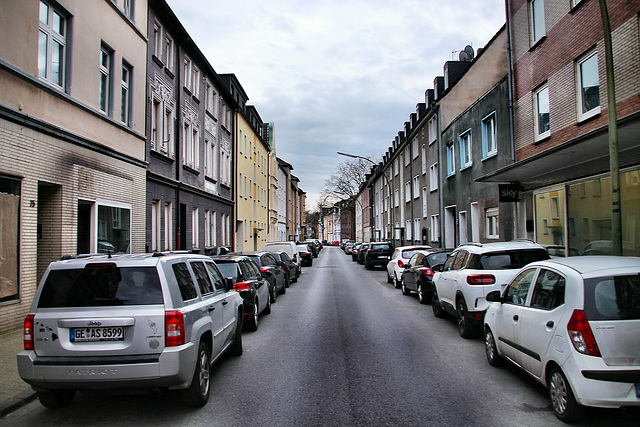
{"type": "Point", "coordinates": [463, 56]}
{"type": "Point", "coordinates": [469, 51]}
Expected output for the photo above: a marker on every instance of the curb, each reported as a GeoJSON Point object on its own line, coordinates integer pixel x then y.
{"type": "Point", "coordinates": [16, 402]}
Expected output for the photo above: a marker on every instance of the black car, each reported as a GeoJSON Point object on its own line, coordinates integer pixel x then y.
{"type": "Point", "coordinates": [272, 270]}
{"type": "Point", "coordinates": [418, 273]}
{"type": "Point", "coordinates": [305, 255]}
{"type": "Point", "coordinates": [288, 265]}
{"type": "Point", "coordinates": [250, 283]}
{"type": "Point", "coordinates": [362, 250]}
{"type": "Point", "coordinates": [354, 251]}
{"type": "Point", "coordinates": [313, 246]}
{"type": "Point", "coordinates": [377, 254]}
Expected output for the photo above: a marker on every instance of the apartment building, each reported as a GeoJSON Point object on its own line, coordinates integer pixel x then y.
{"type": "Point", "coordinates": [72, 136]}
{"type": "Point", "coordinates": [189, 142]}
{"type": "Point", "coordinates": [561, 115]}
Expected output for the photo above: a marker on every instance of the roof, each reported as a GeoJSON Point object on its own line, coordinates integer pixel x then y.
{"type": "Point", "coordinates": [597, 265]}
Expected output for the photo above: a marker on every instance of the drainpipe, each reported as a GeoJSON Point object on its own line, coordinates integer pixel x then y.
{"type": "Point", "coordinates": [436, 108]}
{"type": "Point", "coordinates": [514, 209]}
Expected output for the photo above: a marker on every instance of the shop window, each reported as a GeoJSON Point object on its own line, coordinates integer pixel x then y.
{"type": "Point", "coordinates": [9, 238]}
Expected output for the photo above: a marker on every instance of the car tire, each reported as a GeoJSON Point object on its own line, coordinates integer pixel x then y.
{"type": "Point", "coordinates": [198, 392]}
{"type": "Point", "coordinates": [284, 287]}
{"type": "Point", "coordinates": [491, 349]}
{"type": "Point", "coordinates": [273, 295]}
{"type": "Point", "coordinates": [251, 323]}
{"type": "Point", "coordinates": [396, 282]}
{"type": "Point", "coordinates": [389, 279]}
{"type": "Point", "coordinates": [465, 327]}
{"type": "Point", "coordinates": [423, 297]}
{"type": "Point", "coordinates": [235, 349]}
{"type": "Point", "coordinates": [563, 401]}
{"type": "Point", "coordinates": [267, 309]}
{"type": "Point", "coordinates": [403, 286]}
{"type": "Point", "coordinates": [56, 398]}
{"type": "Point", "coordinates": [438, 311]}
{"type": "Point", "coordinates": [367, 266]}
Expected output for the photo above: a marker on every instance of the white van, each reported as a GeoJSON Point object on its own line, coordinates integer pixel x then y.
{"type": "Point", "coordinates": [289, 247]}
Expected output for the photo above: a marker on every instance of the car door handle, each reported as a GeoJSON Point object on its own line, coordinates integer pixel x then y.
{"type": "Point", "coordinates": [516, 317]}
{"type": "Point", "coordinates": [550, 324]}
{"type": "Point", "coordinates": [211, 308]}
{"type": "Point", "coordinates": [225, 302]}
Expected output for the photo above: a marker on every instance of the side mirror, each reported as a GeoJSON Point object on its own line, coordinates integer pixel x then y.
{"type": "Point", "coordinates": [494, 296]}
{"type": "Point", "coordinates": [229, 283]}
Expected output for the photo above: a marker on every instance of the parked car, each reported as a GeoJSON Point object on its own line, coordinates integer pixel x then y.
{"type": "Point", "coordinates": [287, 246]}
{"type": "Point", "coordinates": [129, 321]}
{"type": "Point", "coordinates": [361, 251]}
{"type": "Point", "coordinates": [348, 246]}
{"type": "Point", "coordinates": [354, 252]}
{"type": "Point", "coordinates": [472, 271]}
{"type": "Point", "coordinates": [559, 251]}
{"type": "Point", "coordinates": [290, 268]}
{"type": "Point", "coordinates": [377, 255]}
{"type": "Point", "coordinates": [572, 324]}
{"type": "Point", "coordinates": [250, 284]}
{"type": "Point", "coordinates": [399, 260]}
{"type": "Point", "coordinates": [306, 256]}
{"type": "Point", "coordinates": [418, 274]}
{"type": "Point", "coordinates": [313, 246]}
{"type": "Point", "coordinates": [272, 271]}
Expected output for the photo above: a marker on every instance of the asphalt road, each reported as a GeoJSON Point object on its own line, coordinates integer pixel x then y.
{"type": "Point", "coordinates": [341, 348]}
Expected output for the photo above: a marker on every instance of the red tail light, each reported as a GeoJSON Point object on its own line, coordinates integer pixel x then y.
{"type": "Point", "coordinates": [264, 270]}
{"type": "Point", "coordinates": [241, 286]}
{"type": "Point", "coordinates": [582, 335]}
{"type": "Point", "coordinates": [174, 328]}
{"type": "Point", "coordinates": [427, 272]}
{"type": "Point", "coordinates": [284, 267]}
{"type": "Point", "coordinates": [481, 279]}
{"type": "Point", "coordinates": [400, 263]}
{"type": "Point", "coordinates": [28, 332]}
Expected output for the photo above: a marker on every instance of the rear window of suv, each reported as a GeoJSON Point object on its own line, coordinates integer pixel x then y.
{"type": "Point", "coordinates": [100, 287]}
{"type": "Point", "coordinates": [508, 260]}
{"type": "Point", "coordinates": [381, 247]}
{"type": "Point", "coordinates": [613, 298]}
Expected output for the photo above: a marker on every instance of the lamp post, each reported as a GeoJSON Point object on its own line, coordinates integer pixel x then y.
{"type": "Point", "coordinates": [354, 156]}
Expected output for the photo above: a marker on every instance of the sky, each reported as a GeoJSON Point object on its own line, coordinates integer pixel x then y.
{"type": "Point", "coordinates": [335, 75]}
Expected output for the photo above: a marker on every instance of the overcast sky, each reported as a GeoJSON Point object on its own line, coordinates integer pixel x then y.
{"type": "Point", "coordinates": [335, 75]}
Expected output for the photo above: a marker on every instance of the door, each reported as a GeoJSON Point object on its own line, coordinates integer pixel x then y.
{"type": "Point", "coordinates": [448, 293]}
{"type": "Point", "coordinates": [227, 306]}
{"type": "Point", "coordinates": [212, 303]}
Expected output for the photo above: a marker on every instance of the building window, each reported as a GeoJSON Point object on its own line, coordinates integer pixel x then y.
{"type": "Point", "coordinates": [416, 229]}
{"type": "Point", "coordinates": [168, 221]}
{"type": "Point", "coordinates": [113, 227]}
{"type": "Point", "coordinates": [128, 8]}
{"type": "Point", "coordinates": [465, 150]}
{"type": "Point", "coordinates": [407, 227]}
{"type": "Point", "coordinates": [414, 147]}
{"type": "Point", "coordinates": [52, 42]}
{"type": "Point", "coordinates": [407, 191]}
{"type": "Point", "coordinates": [407, 156]}
{"type": "Point", "coordinates": [195, 85]}
{"type": "Point", "coordinates": [536, 17]}
{"type": "Point", "coordinates": [106, 57]}
{"type": "Point", "coordinates": [424, 202]}
{"type": "Point", "coordinates": [211, 158]}
{"type": "Point", "coordinates": [416, 187]}
{"type": "Point", "coordinates": [125, 94]}
{"type": "Point", "coordinates": [491, 216]}
{"type": "Point", "coordinates": [451, 159]}
{"type": "Point", "coordinates": [162, 126]}
{"type": "Point", "coordinates": [435, 228]}
{"type": "Point", "coordinates": [489, 144]}
{"type": "Point", "coordinates": [433, 177]}
{"type": "Point", "coordinates": [195, 228]}
{"type": "Point", "coordinates": [433, 134]}
{"type": "Point", "coordinates": [186, 73]}
{"type": "Point", "coordinates": [157, 40]}
{"type": "Point", "coordinates": [396, 198]}
{"type": "Point", "coordinates": [588, 86]}
{"type": "Point", "coordinates": [10, 238]}
{"type": "Point", "coordinates": [424, 159]}
{"type": "Point", "coordinates": [542, 116]}
{"type": "Point", "coordinates": [170, 53]}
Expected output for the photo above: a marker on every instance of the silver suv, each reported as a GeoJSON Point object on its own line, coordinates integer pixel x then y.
{"type": "Point", "coordinates": [145, 321]}
{"type": "Point", "coordinates": [472, 271]}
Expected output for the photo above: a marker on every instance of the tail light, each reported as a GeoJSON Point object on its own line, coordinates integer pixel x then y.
{"type": "Point", "coordinates": [28, 332]}
{"type": "Point", "coordinates": [427, 272]}
{"type": "Point", "coordinates": [581, 334]}
{"type": "Point", "coordinates": [481, 279]}
{"type": "Point", "coordinates": [241, 286]}
{"type": "Point", "coordinates": [284, 267]}
{"type": "Point", "coordinates": [174, 328]}
{"type": "Point", "coordinates": [400, 263]}
{"type": "Point", "coordinates": [264, 270]}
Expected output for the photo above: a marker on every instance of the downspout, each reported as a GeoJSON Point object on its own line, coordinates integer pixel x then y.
{"type": "Point", "coordinates": [515, 206]}
{"type": "Point", "coordinates": [178, 153]}
{"type": "Point", "coordinates": [440, 181]}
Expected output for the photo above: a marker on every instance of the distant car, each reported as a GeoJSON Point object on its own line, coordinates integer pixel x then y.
{"type": "Point", "coordinates": [572, 324]}
{"type": "Point", "coordinates": [361, 251]}
{"type": "Point", "coordinates": [129, 322]}
{"type": "Point", "coordinates": [313, 247]}
{"type": "Point", "coordinates": [250, 284]}
{"type": "Point", "coordinates": [354, 252]}
{"type": "Point", "coordinates": [288, 265]}
{"type": "Point", "coordinates": [418, 273]}
{"type": "Point", "coordinates": [472, 271]}
{"type": "Point", "coordinates": [398, 261]}
{"type": "Point", "coordinates": [306, 256]}
{"type": "Point", "coordinates": [289, 247]}
{"type": "Point", "coordinates": [272, 270]}
{"type": "Point", "coordinates": [559, 251]}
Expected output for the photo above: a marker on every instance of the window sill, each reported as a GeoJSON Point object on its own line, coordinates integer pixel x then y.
{"type": "Point", "coordinates": [157, 60]}
{"type": "Point", "coordinates": [586, 118]}
{"type": "Point", "coordinates": [190, 169]}
{"type": "Point", "coordinates": [170, 73]}
{"type": "Point", "coordinates": [161, 156]}
{"type": "Point", "coordinates": [540, 140]}
{"type": "Point", "coordinates": [537, 43]}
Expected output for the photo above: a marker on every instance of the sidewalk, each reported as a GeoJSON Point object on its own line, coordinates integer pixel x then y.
{"type": "Point", "coordinates": [13, 391]}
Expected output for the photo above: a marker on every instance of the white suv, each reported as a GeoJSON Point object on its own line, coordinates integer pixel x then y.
{"type": "Point", "coordinates": [472, 271]}
{"type": "Point", "coordinates": [121, 321]}
{"type": "Point", "coordinates": [573, 324]}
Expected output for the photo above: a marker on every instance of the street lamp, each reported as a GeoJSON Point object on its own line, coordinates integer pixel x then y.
{"type": "Point", "coordinates": [354, 156]}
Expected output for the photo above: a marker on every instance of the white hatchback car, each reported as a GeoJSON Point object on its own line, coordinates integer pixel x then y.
{"type": "Point", "coordinates": [399, 260]}
{"type": "Point", "coordinates": [574, 325]}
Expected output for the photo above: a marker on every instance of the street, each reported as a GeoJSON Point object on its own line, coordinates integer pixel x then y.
{"type": "Point", "coordinates": [341, 348]}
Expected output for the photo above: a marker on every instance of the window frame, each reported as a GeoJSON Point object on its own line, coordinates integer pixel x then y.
{"type": "Point", "coordinates": [466, 149]}
{"type": "Point", "coordinates": [492, 217]}
{"type": "Point", "coordinates": [450, 152]}
{"type": "Point", "coordinates": [433, 177]}
{"type": "Point", "coordinates": [126, 93]}
{"type": "Point", "coordinates": [538, 136]}
{"type": "Point", "coordinates": [53, 37]}
{"type": "Point", "coordinates": [105, 85]}
{"type": "Point", "coordinates": [534, 24]}
{"type": "Point", "coordinates": [584, 115]}
{"type": "Point", "coordinates": [489, 124]}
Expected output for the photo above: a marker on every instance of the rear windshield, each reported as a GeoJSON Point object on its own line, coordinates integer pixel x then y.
{"type": "Point", "coordinates": [228, 269]}
{"type": "Point", "coordinates": [508, 260]}
{"type": "Point", "coordinates": [382, 246]}
{"type": "Point", "coordinates": [613, 298]}
{"type": "Point", "coordinates": [408, 253]}
{"type": "Point", "coordinates": [99, 287]}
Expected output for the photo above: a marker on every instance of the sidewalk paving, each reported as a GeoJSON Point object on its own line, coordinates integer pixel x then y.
{"type": "Point", "coordinates": [13, 391]}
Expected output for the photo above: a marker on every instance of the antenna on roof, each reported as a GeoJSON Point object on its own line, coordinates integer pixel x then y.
{"type": "Point", "coordinates": [467, 54]}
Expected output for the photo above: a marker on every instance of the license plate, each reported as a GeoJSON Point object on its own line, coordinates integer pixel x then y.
{"type": "Point", "coordinates": [384, 257]}
{"type": "Point", "coordinates": [113, 333]}
{"type": "Point", "coordinates": [637, 389]}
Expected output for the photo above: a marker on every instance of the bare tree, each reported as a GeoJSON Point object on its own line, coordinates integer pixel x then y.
{"type": "Point", "coordinates": [345, 183]}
